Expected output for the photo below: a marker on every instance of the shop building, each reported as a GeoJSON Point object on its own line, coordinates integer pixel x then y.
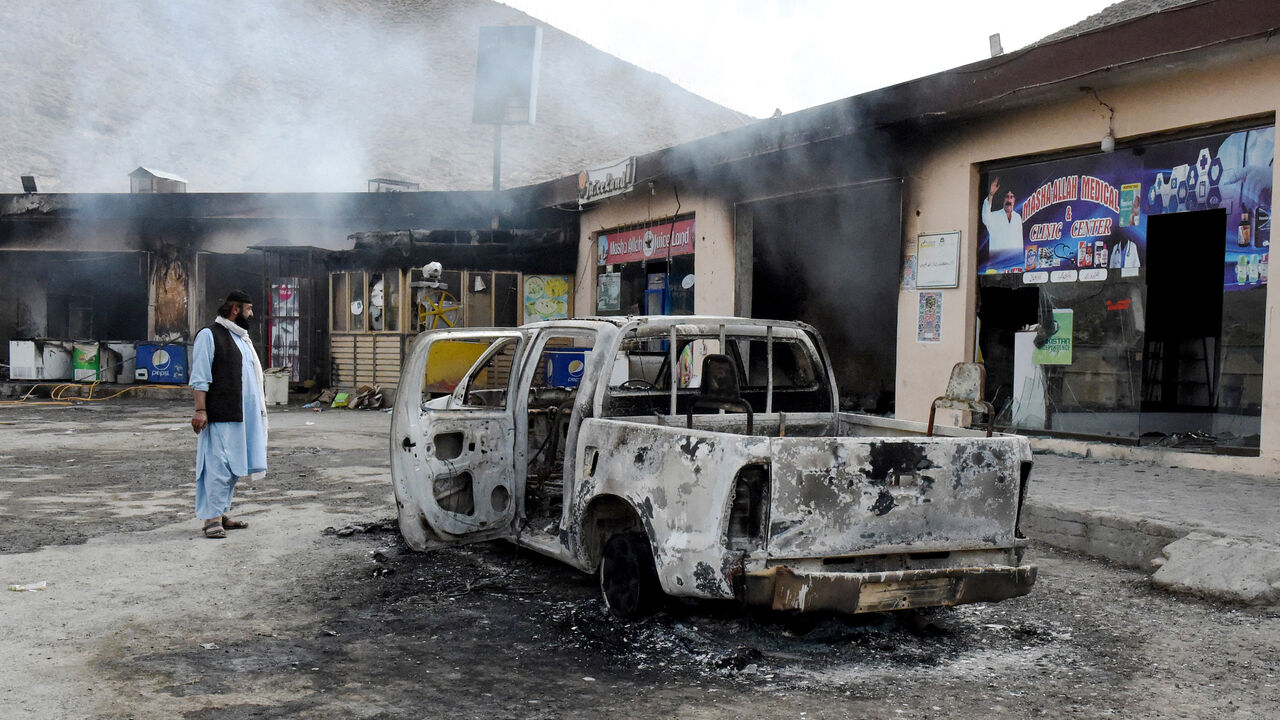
{"type": "Point", "coordinates": [774, 221]}
{"type": "Point", "coordinates": [1129, 304]}
{"type": "Point", "coordinates": [152, 269]}
{"type": "Point", "coordinates": [392, 285]}
{"type": "Point", "coordinates": [1113, 237]}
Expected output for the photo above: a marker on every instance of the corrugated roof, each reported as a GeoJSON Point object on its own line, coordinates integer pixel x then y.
{"type": "Point", "coordinates": [157, 173]}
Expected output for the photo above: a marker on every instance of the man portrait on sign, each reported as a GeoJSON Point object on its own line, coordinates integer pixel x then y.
{"type": "Point", "coordinates": [1004, 225]}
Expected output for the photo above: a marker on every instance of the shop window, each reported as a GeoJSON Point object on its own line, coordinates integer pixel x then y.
{"type": "Point", "coordinates": [646, 270]}
{"type": "Point", "coordinates": [366, 301]}
{"type": "Point", "coordinates": [347, 291]}
{"type": "Point", "coordinates": [1135, 286]}
{"type": "Point", "coordinates": [284, 326]}
{"type": "Point", "coordinates": [506, 300]}
{"type": "Point", "coordinates": [70, 316]}
{"type": "Point", "coordinates": [397, 301]}
{"type": "Point", "coordinates": [681, 285]}
{"type": "Point", "coordinates": [384, 301]}
{"type": "Point", "coordinates": [1065, 357]}
{"type": "Point", "coordinates": [490, 298]}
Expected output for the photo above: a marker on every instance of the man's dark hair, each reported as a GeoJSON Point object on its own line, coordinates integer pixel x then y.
{"type": "Point", "coordinates": [225, 310]}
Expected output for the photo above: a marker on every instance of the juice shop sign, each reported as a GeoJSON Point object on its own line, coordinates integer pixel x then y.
{"type": "Point", "coordinates": [652, 242]}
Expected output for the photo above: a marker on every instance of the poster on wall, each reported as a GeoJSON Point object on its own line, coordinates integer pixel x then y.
{"type": "Point", "coordinates": [909, 250]}
{"type": "Point", "coordinates": [1085, 219]}
{"type": "Point", "coordinates": [609, 292]}
{"type": "Point", "coordinates": [546, 297]}
{"type": "Point", "coordinates": [1057, 348]}
{"type": "Point", "coordinates": [929, 320]}
{"type": "Point", "coordinates": [938, 260]}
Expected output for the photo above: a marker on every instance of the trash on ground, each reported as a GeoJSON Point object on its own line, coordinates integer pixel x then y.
{"type": "Point", "coordinates": [30, 587]}
{"type": "Point", "coordinates": [368, 397]}
{"type": "Point", "coordinates": [389, 525]}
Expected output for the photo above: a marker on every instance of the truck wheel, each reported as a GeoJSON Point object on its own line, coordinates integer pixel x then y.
{"type": "Point", "coordinates": [628, 578]}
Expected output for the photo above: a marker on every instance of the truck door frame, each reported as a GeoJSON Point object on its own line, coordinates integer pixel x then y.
{"type": "Point", "coordinates": [446, 438]}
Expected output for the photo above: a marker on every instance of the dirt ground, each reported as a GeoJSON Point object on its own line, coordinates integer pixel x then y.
{"type": "Point", "coordinates": [318, 611]}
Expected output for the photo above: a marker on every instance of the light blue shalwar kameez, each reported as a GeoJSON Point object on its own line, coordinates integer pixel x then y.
{"type": "Point", "coordinates": [227, 451]}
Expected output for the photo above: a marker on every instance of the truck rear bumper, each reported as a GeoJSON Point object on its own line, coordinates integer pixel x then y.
{"type": "Point", "coordinates": [783, 588]}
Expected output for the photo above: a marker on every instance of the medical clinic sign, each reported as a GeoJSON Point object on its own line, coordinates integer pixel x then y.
{"type": "Point", "coordinates": [652, 242]}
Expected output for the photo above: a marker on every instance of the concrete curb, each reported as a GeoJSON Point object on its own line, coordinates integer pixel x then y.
{"type": "Point", "coordinates": [1268, 467]}
{"type": "Point", "coordinates": [1184, 559]}
{"type": "Point", "coordinates": [1242, 570]}
{"type": "Point", "coordinates": [1131, 541]}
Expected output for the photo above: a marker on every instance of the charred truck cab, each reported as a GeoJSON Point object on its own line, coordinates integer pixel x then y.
{"type": "Point", "coordinates": [700, 457]}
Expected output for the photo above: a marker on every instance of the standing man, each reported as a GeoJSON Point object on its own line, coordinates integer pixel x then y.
{"type": "Point", "coordinates": [1004, 226]}
{"type": "Point", "coordinates": [230, 413]}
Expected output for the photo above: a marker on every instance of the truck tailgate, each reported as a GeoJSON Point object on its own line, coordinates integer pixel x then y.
{"type": "Point", "coordinates": [838, 496]}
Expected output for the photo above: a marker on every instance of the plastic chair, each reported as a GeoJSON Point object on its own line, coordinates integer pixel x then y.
{"type": "Point", "coordinates": [964, 392]}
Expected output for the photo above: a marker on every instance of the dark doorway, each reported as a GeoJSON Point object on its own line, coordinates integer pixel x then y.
{"type": "Point", "coordinates": [1183, 344]}
{"type": "Point", "coordinates": [1002, 312]}
{"type": "Point", "coordinates": [832, 261]}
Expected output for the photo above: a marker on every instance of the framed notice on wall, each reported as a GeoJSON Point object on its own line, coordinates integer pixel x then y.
{"type": "Point", "coordinates": [938, 260]}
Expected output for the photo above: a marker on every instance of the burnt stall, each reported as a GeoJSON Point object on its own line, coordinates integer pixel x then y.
{"type": "Point", "coordinates": [387, 289]}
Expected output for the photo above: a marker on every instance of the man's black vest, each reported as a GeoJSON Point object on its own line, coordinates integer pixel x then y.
{"type": "Point", "coordinates": [224, 403]}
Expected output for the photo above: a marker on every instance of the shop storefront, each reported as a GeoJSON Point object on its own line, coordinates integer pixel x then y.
{"type": "Point", "coordinates": [646, 269]}
{"type": "Point", "coordinates": [1123, 294]}
{"type": "Point", "coordinates": [374, 314]}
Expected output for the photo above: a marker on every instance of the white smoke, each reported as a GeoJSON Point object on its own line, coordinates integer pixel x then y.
{"type": "Point", "coordinates": [304, 95]}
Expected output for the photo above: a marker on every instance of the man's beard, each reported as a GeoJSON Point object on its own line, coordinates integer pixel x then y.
{"type": "Point", "coordinates": [242, 321]}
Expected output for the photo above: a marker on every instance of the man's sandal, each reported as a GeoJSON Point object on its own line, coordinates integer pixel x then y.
{"type": "Point", "coordinates": [230, 524]}
{"type": "Point", "coordinates": [213, 529]}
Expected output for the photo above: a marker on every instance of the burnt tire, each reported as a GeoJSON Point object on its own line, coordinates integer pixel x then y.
{"type": "Point", "coordinates": [628, 577]}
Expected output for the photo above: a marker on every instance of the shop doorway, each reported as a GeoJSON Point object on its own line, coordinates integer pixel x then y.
{"type": "Point", "coordinates": [1201, 376]}
{"type": "Point", "coordinates": [832, 261]}
{"type": "Point", "coordinates": [1183, 344]}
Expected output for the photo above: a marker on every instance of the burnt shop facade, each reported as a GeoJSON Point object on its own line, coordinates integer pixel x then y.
{"type": "Point", "coordinates": [1123, 295]}
{"type": "Point", "coordinates": [660, 252]}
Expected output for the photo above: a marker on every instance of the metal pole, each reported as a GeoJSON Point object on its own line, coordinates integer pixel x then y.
{"type": "Point", "coordinates": [497, 170]}
{"type": "Point", "coordinates": [673, 375]}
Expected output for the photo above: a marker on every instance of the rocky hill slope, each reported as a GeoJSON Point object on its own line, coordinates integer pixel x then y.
{"type": "Point", "coordinates": [306, 95]}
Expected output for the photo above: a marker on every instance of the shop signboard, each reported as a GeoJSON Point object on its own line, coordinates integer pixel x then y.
{"type": "Point", "coordinates": [651, 242]}
{"type": "Point", "coordinates": [600, 183]}
{"type": "Point", "coordinates": [1085, 219]}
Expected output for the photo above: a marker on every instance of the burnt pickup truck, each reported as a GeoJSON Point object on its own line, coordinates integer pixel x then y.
{"type": "Point", "coordinates": [701, 457]}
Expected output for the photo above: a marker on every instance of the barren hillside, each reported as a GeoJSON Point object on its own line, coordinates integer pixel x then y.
{"type": "Point", "coordinates": [306, 95]}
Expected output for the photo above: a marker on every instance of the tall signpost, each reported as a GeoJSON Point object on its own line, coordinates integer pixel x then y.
{"type": "Point", "coordinates": [506, 91]}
